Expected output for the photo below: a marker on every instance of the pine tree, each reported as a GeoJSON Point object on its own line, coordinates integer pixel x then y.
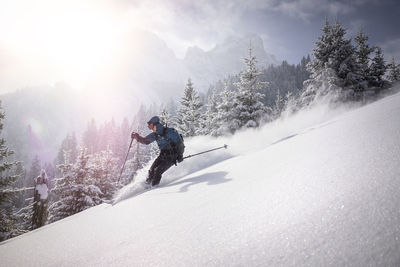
{"type": "Point", "coordinates": [34, 172]}
{"type": "Point", "coordinates": [322, 53]}
{"type": "Point", "coordinates": [393, 71]}
{"type": "Point", "coordinates": [21, 173]}
{"type": "Point", "coordinates": [344, 59]}
{"type": "Point", "coordinates": [107, 135]}
{"type": "Point", "coordinates": [225, 116]}
{"type": "Point", "coordinates": [210, 122]}
{"type": "Point", "coordinates": [30, 177]}
{"type": "Point", "coordinates": [34, 214]}
{"type": "Point", "coordinates": [25, 215]}
{"type": "Point", "coordinates": [248, 106]}
{"type": "Point", "coordinates": [334, 52]}
{"type": "Point", "coordinates": [91, 137]}
{"type": "Point", "coordinates": [362, 54]}
{"type": "Point", "coordinates": [67, 153]}
{"type": "Point", "coordinates": [322, 83]}
{"type": "Point", "coordinates": [25, 200]}
{"type": "Point", "coordinates": [172, 108]}
{"type": "Point", "coordinates": [103, 170]}
{"type": "Point", "coordinates": [284, 78]}
{"type": "Point", "coordinates": [50, 170]}
{"type": "Point", "coordinates": [302, 74]}
{"type": "Point", "coordinates": [165, 117]}
{"type": "Point", "coordinates": [189, 114]}
{"type": "Point", "coordinates": [290, 104]}
{"type": "Point", "coordinates": [75, 189]}
{"type": "Point", "coordinates": [378, 68]}
{"type": "Point", "coordinates": [279, 105]}
{"type": "Point", "coordinates": [73, 146]}
{"type": "Point", "coordinates": [8, 218]}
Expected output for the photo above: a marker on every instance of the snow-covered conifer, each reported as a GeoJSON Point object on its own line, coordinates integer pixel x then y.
{"type": "Point", "coordinates": [75, 189]}
{"type": "Point", "coordinates": [393, 71]}
{"type": "Point", "coordinates": [8, 218]}
{"type": "Point", "coordinates": [362, 52]}
{"type": "Point", "coordinates": [322, 53]}
{"type": "Point", "coordinates": [189, 114]}
{"type": "Point", "coordinates": [225, 115]}
{"type": "Point", "coordinates": [165, 117]}
{"type": "Point", "coordinates": [172, 107]}
{"type": "Point", "coordinates": [343, 59]}
{"type": "Point", "coordinates": [70, 145]}
{"type": "Point", "coordinates": [103, 171]}
{"type": "Point", "coordinates": [210, 122]}
{"type": "Point", "coordinates": [322, 83]}
{"type": "Point", "coordinates": [248, 107]}
{"type": "Point", "coordinates": [91, 137]}
{"type": "Point", "coordinates": [290, 104]}
{"type": "Point", "coordinates": [25, 215]}
{"type": "Point", "coordinates": [333, 53]}
{"type": "Point", "coordinates": [34, 172]}
{"type": "Point", "coordinates": [378, 68]}
{"type": "Point", "coordinates": [107, 136]}
{"type": "Point", "coordinates": [279, 105]}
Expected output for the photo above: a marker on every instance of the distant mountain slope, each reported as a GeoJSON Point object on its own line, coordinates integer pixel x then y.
{"type": "Point", "coordinates": [307, 191]}
{"type": "Point", "coordinates": [225, 59]}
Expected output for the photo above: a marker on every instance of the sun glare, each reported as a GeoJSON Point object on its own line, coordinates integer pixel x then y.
{"type": "Point", "coordinates": [91, 45]}
{"type": "Point", "coordinates": [80, 44]}
{"type": "Point", "coordinates": [75, 39]}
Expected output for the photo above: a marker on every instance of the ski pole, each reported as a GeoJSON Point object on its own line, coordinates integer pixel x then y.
{"type": "Point", "coordinates": [123, 166]}
{"type": "Point", "coordinates": [224, 146]}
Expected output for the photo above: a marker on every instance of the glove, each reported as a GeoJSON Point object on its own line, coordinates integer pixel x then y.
{"type": "Point", "coordinates": [134, 135]}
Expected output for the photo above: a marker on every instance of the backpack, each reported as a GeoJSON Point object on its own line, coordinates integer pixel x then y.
{"type": "Point", "coordinates": [176, 141]}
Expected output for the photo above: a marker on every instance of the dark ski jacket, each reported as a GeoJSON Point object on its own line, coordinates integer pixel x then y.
{"type": "Point", "coordinates": [162, 143]}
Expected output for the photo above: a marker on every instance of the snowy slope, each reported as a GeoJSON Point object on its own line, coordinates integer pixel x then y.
{"type": "Point", "coordinates": [318, 189]}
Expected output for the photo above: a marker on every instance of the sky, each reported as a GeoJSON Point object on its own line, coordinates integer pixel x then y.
{"type": "Point", "coordinates": [73, 41]}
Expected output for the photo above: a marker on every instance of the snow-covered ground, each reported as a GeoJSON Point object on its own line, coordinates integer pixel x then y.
{"type": "Point", "coordinates": [319, 188]}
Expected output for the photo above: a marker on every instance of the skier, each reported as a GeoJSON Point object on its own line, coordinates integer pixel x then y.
{"type": "Point", "coordinates": [171, 148]}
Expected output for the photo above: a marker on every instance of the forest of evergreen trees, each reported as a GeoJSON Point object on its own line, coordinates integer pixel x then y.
{"type": "Point", "coordinates": [86, 169]}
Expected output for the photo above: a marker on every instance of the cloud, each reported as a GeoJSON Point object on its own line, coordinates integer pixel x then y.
{"type": "Point", "coordinates": [355, 26]}
{"type": "Point", "coordinates": [198, 22]}
{"type": "Point", "coordinates": [308, 9]}
{"type": "Point", "coordinates": [181, 23]}
{"type": "Point", "coordinates": [391, 48]}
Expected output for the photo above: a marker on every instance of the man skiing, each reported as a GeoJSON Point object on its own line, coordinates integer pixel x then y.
{"type": "Point", "coordinates": [170, 144]}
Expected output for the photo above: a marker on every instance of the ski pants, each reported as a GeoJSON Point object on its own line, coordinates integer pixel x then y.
{"type": "Point", "coordinates": [162, 163]}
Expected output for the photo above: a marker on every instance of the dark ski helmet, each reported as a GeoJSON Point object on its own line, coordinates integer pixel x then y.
{"type": "Point", "coordinates": [154, 120]}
